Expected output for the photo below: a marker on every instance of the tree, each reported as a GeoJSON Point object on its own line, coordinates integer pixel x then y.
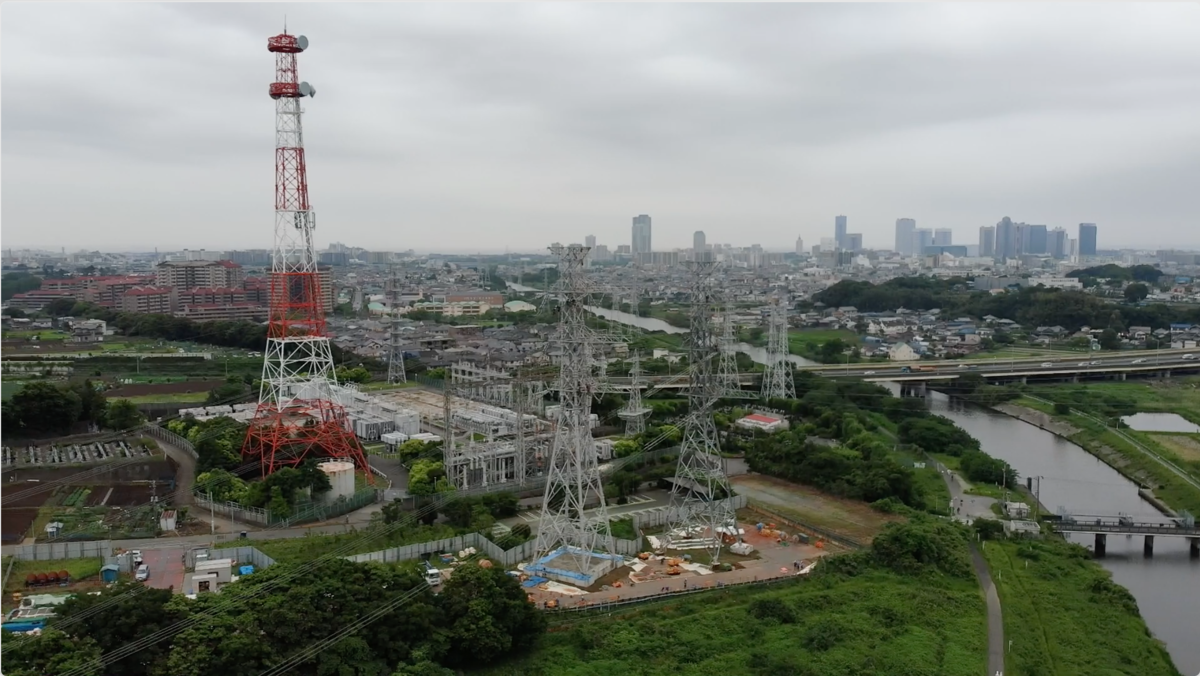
{"type": "Point", "coordinates": [123, 415]}
{"type": "Point", "coordinates": [1109, 340]}
{"type": "Point", "coordinates": [51, 652]}
{"type": "Point", "coordinates": [43, 407]}
{"type": "Point", "coordinates": [487, 616]}
{"type": "Point", "coordinates": [233, 388]}
{"type": "Point", "coordinates": [93, 407]}
{"type": "Point", "coordinates": [1136, 293]}
{"type": "Point", "coordinates": [116, 617]}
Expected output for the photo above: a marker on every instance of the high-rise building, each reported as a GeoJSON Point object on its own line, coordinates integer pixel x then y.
{"type": "Point", "coordinates": [839, 231]}
{"type": "Point", "coordinates": [987, 241]}
{"type": "Point", "coordinates": [191, 274]}
{"type": "Point", "coordinates": [943, 237]}
{"type": "Point", "coordinates": [1007, 239]}
{"type": "Point", "coordinates": [1056, 243]}
{"type": "Point", "coordinates": [698, 241]}
{"type": "Point", "coordinates": [590, 241]}
{"type": "Point", "coordinates": [922, 237]}
{"type": "Point", "coordinates": [853, 241]}
{"type": "Point", "coordinates": [1033, 239]}
{"type": "Point", "coordinates": [799, 246]}
{"type": "Point", "coordinates": [641, 235]}
{"type": "Point", "coordinates": [1087, 239]}
{"type": "Point", "coordinates": [905, 227]}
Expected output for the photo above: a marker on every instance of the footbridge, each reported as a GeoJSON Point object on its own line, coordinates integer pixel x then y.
{"type": "Point", "coordinates": [1183, 526]}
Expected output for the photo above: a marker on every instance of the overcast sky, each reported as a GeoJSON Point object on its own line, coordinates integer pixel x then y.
{"type": "Point", "coordinates": [462, 127]}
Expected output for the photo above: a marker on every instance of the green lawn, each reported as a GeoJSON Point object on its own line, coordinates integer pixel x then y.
{"type": "Point", "coordinates": [43, 334]}
{"type": "Point", "coordinates": [169, 398]}
{"type": "Point", "coordinates": [876, 623]}
{"type": "Point", "coordinates": [301, 549]}
{"type": "Point", "coordinates": [798, 338]}
{"type": "Point", "coordinates": [78, 569]}
{"type": "Point", "coordinates": [1064, 615]}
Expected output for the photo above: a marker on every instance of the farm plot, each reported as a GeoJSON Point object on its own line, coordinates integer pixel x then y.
{"type": "Point", "coordinates": [16, 523]}
{"type": "Point", "coordinates": [76, 454]}
{"type": "Point", "coordinates": [146, 390]}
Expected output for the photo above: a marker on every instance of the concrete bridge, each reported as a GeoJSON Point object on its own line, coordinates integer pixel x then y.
{"type": "Point", "coordinates": [1103, 526]}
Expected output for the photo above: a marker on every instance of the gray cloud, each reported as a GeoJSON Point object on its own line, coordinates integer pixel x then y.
{"type": "Point", "coordinates": [479, 127]}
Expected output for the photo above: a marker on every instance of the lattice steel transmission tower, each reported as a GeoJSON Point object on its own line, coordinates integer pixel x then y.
{"type": "Point", "coordinates": [395, 353]}
{"type": "Point", "coordinates": [699, 513]}
{"type": "Point", "coordinates": [297, 414]}
{"type": "Point", "coordinates": [634, 412]}
{"type": "Point", "coordinates": [777, 379]}
{"type": "Point", "coordinates": [728, 378]}
{"type": "Point", "coordinates": [572, 544]}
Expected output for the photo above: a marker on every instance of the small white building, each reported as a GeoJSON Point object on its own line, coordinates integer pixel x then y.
{"type": "Point", "coordinates": [166, 521]}
{"type": "Point", "coordinates": [1016, 510]}
{"type": "Point", "coordinates": [758, 421]}
{"type": "Point", "coordinates": [902, 352]}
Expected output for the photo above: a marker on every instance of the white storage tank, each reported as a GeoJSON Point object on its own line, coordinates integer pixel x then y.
{"type": "Point", "coordinates": [341, 477]}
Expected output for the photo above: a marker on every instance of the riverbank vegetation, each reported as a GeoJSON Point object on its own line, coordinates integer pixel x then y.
{"type": "Point", "coordinates": [1063, 614]}
{"type": "Point", "coordinates": [907, 605]}
{"type": "Point", "coordinates": [1116, 450]}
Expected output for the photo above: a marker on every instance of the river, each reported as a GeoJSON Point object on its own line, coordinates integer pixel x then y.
{"type": "Point", "coordinates": [1167, 586]}
{"type": "Point", "coordinates": [758, 354]}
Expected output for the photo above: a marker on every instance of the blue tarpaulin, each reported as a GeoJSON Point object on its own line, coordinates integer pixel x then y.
{"type": "Point", "coordinates": [533, 581]}
{"type": "Point", "coordinates": [245, 570]}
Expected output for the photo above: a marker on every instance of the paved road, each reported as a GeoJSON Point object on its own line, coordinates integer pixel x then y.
{"type": "Point", "coordinates": [995, 617]}
{"type": "Point", "coordinates": [967, 508]}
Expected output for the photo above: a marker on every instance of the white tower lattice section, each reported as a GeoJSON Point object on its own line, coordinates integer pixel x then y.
{"type": "Point", "coordinates": [700, 513]}
{"type": "Point", "coordinates": [570, 539]}
{"type": "Point", "coordinates": [634, 413]}
{"type": "Point", "coordinates": [777, 379]}
{"type": "Point", "coordinates": [396, 372]}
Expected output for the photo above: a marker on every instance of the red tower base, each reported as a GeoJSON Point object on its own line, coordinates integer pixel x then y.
{"type": "Point", "coordinates": [278, 439]}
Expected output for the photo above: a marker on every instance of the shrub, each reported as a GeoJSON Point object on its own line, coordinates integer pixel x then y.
{"type": "Point", "coordinates": [1062, 409]}
{"type": "Point", "coordinates": [772, 608]}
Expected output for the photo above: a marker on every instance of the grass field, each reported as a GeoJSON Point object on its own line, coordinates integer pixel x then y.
{"type": "Point", "coordinates": [1185, 446]}
{"type": "Point", "coordinates": [1176, 395]}
{"type": "Point", "coordinates": [799, 338]}
{"type": "Point", "coordinates": [169, 398]}
{"type": "Point", "coordinates": [876, 623]}
{"type": "Point", "coordinates": [44, 334]}
{"type": "Point", "coordinates": [1064, 615]}
{"type": "Point", "coordinates": [87, 570]}
{"type": "Point", "coordinates": [850, 518]}
{"type": "Point", "coordinates": [297, 550]}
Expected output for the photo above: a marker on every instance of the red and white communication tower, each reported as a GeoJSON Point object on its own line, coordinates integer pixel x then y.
{"type": "Point", "coordinates": [297, 415]}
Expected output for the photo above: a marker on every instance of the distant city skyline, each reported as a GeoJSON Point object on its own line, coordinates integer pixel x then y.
{"type": "Point", "coordinates": [752, 123]}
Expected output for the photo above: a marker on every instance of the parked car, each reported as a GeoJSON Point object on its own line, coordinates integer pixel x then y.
{"type": "Point", "coordinates": [143, 573]}
{"type": "Point", "coordinates": [1189, 356]}
{"type": "Point", "coordinates": [136, 555]}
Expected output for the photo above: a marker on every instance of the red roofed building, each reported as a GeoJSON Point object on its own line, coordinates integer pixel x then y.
{"type": "Point", "coordinates": [766, 423]}
{"type": "Point", "coordinates": [37, 299]}
{"type": "Point", "coordinates": [108, 291]}
{"type": "Point", "coordinates": [159, 300]}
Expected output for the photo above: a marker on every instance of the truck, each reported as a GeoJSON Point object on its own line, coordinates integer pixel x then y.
{"type": "Point", "coordinates": [926, 368]}
{"type": "Point", "coordinates": [906, 369]}
{"type": "Point", "coordinates": [433, 576]}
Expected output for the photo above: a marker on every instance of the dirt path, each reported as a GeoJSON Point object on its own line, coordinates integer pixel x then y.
{"type": "Point", "coordinates": [808, 505]}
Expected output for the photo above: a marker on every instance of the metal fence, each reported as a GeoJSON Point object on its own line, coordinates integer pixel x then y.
{"type": "Point", "coordinates": [52, 551]}
{"type": "Point", "coordinates": [508, 559]}
{"type": "Point", "coordinates": [243, 555]}
{"type": "Point", "coordinates": [167, 436]}
{"type": "Point", "coordinates": [234, 511]}
{"type": "Point", "coordinates": [664, 516]}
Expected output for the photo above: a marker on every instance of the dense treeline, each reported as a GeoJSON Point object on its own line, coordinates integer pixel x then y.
{"type": "Point", "coordinates": [860, 465]}
{"type": "Point", "coordinates": [236, 334]}
{"type": "Point", "coordinates": [481, 615]}
{"type": "Point", "coordinates": [1136, 273]}
{"type": "Point", "coordinates": [43, 407]}
{"type": "Point", "coordinates": [1029, 306]}
{"type": "Point", "coordinates": [19, 282]}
